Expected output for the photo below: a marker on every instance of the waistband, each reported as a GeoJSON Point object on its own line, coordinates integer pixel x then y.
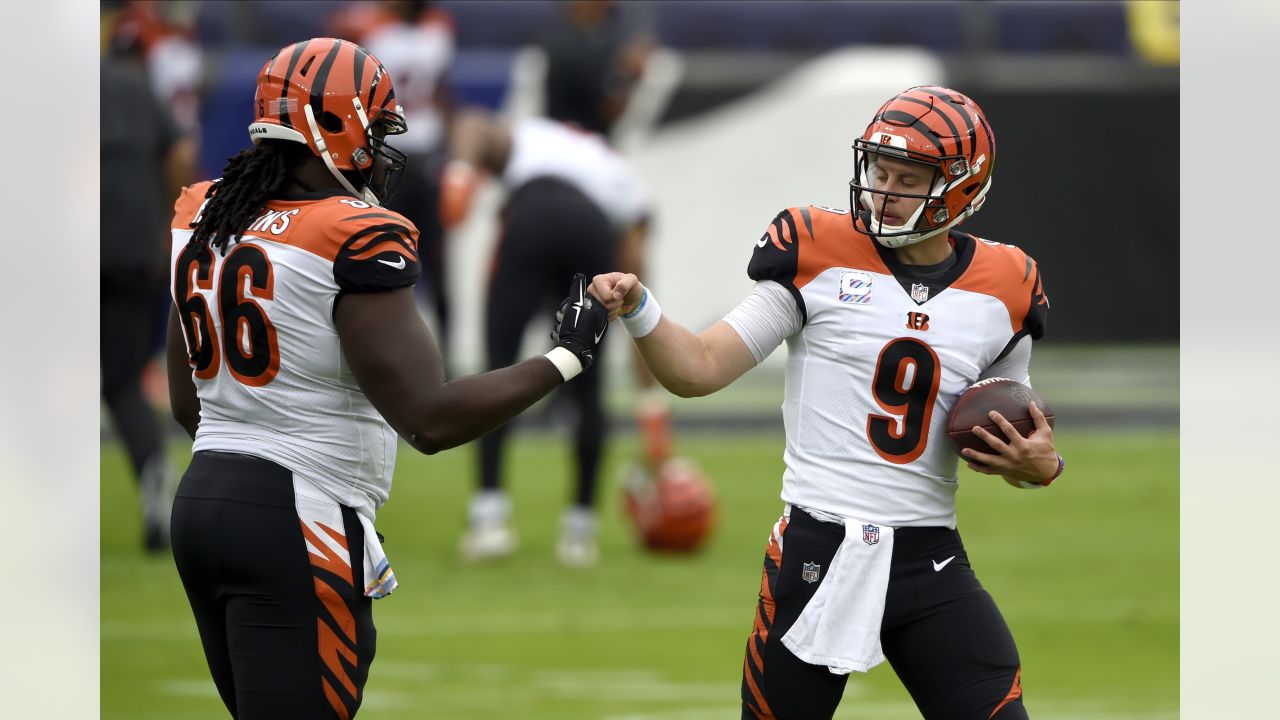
{"type": "Point", "coordinates": [218, 475]}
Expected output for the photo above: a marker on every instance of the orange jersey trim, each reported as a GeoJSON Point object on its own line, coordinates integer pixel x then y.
{"type": "Point", "coordinates": [318, 226]}
{"type": "Point", "coordinates": [828, 241]}
{"type": "Point", "coordinates": [1005, 273]}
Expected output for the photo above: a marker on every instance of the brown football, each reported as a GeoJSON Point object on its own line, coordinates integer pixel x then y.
{"type": "Point", "coordinates": [1007, 397]}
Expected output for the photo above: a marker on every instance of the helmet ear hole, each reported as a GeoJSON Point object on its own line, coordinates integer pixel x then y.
{"type": "Point", "coordinates": [971, 188]}
{"type": "Point", "coordinates": [330, 122]}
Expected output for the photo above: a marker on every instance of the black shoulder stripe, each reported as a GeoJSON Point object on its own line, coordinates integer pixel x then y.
{"type": "Point", "coordinates": [366, 216]}
{"type": "Point", "coordinates": [786, 227]}
{"type": "Point", "coordinates": [808, 221]}
{"type": "Point", "coordinates": [371, 237]}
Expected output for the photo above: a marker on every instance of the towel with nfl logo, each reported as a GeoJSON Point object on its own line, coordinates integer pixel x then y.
{"type": "Point", "coordinates": [840, 627]}
{"type": "Point", "coordinates": [326, 540]}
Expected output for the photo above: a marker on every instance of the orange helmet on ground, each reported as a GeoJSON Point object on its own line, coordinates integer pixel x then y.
{"type": "Point", "coordinates": [941, 129]}
{"type": "Point", "coordinates": [674, 511]}
{"type": "Point", "coordinates": [336, 98]}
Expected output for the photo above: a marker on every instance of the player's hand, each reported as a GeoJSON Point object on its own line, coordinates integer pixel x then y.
{"type": "Point", "coordinates": [1030, 459]}
{"type": "Point", "coordinates": [620, 292]}
{"type": "Point", "coordinates": [581, 322]}
{"type": "Point", "coordinates": [457, 188]}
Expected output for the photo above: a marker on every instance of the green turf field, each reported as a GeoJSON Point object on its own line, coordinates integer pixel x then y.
{"type": "Point", "coordinates": [1085, 572]}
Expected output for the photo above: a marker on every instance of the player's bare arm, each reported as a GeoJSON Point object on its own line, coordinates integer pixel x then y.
{"type": "Point", "coordinates": [182, 389]}
{"type": "Point", "coordinates": [1032, 459]}
{"type": "Point", "coordinates": [405, 380]}
{"type": "Point", "coordinates": [685, 363]}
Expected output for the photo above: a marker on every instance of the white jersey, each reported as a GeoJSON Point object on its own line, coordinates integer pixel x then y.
{"type": "Point", "coordinates": [264, 351]}
{"type": "Point", "coordinates": [546, 148]}
{"type": "Point", "coordinates": [877, 361]}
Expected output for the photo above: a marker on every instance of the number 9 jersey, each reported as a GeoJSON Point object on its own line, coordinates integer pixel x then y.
{"type": "Point", "coordinates": [880, 355]}
{"type": "Point", "coordinates": [262, 344]}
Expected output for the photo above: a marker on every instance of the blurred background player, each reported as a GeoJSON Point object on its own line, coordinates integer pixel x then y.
{"type": "Point", "coordinates": [866, 564]}
{"type": "Point", "coordinates": [573, 203]}
{"type": "Point", "coordinates": [297, 359]}
{"type": "Point", "coordinates": [146, 157]}
{"type": "Point", "coordinates": [415, 38]}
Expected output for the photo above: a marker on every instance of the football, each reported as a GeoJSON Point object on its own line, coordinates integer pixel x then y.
{"type": "Point", "coordinates": [672, 510]}
{"type": "Point", "coordinates": [1005, 396]}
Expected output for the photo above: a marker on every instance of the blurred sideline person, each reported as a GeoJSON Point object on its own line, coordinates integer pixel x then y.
{"type": "Point", "coordinates": [415, 38]}
{"type": "Point", "coordinates": [297, 355]}
{"type": "Point", "coordinates": [572, 203]}
{"type": "Point", "coordinates": [889, 313]}
{"type": "Point", "coordinates": [144, 162]}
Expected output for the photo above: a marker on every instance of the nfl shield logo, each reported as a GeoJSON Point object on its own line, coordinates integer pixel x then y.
{"type": "Point", "coordinates": [919, 293]}
{"type": "Point", "coordinates": [809, 572]}
{"type": "Point", "coordinates": [871, 534]}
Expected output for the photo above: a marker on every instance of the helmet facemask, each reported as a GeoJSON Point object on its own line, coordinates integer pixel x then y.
{"type": "Point", "coordinates": [383, 175]}
{"type": "Point", "coordinates": [931, 217]}
{"type": "Point", "coordinates": [376, 166]}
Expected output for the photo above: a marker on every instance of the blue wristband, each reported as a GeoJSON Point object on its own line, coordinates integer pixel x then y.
{"type": "Point", "coordinates": [644, 298]}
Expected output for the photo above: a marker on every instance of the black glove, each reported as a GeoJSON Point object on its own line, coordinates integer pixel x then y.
{"type": "Point", "coordinates": [581, 322]}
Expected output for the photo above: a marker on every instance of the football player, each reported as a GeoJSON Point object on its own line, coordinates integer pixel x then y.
{"type": "Point", "coordinates": [572, 202]}
{"type": "Point", "coordinates": [296, 357]}
{"type": "Point", "coordinates": [888, 313]}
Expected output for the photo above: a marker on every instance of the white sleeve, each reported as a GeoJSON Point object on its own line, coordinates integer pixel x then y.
{"type": "Point", "coordinates": [765, 318]}
{"type": "Point", "coordinates": [1015, 365]}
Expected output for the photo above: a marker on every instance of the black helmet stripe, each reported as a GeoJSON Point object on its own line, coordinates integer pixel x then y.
{"type": "Point", "coordinates": [903, 118]}
{"type": "Point", "coordinates": [955, 133]}
{"type": "Point", "coordinates": [950, 100]}
{"type": "Point", "coordinates": [322, 79]}
{"type": "Point", "coordinates": [361, 56]}
{"type": "Point", "coordinates": [298, 49]}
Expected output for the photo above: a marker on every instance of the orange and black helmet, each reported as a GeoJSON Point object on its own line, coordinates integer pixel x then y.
{"type": "Point", "coordinates": [941, 129]}
{"type": "Point", "coordinates": [336, 98]}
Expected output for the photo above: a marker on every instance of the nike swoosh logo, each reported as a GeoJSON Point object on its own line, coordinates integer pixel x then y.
{"type": "Point", "coordinates": [599, 336]}
{"type": "Point", "coordinates": [577, 307]}
{"type": "Point", "coordinates": [397, 265]}
{"type": "Point", "coordinates": [939, 565]}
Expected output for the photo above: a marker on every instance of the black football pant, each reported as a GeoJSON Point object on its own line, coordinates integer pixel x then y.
{"type": "Point", "coordinates": [550, 231]}
{"type": "Point", "coordinates": [129, 323]}
{"type": "Point", "coordinates": [942, 632]}
{"type": "Point", "coordinates": [288, 634]}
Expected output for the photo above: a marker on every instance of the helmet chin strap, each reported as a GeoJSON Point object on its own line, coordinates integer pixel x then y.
{"type": "Point", "coordinates": [364, 194]}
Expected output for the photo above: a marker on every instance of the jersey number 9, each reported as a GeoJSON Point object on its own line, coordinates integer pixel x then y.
{"type": "Point", "coordinates": [905, 385]}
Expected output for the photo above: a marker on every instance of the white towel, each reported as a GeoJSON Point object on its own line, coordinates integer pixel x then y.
{"type": "Point", "coordinates": [326, 538]}
{"type": "Point", "coordinates": [840, 627]}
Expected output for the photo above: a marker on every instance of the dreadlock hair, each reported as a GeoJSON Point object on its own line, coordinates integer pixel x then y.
{"type": "Point", "coordinates": [249, 180]}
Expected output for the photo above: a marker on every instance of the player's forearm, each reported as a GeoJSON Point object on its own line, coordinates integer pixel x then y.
{"type": "Point", "coordinates": [466, 408]}
{"type": "Point", "coordinates": [679, 360]}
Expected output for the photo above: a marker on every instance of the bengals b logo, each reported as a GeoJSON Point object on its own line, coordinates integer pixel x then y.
{"type": "Point", "coordinates": [917, 321]}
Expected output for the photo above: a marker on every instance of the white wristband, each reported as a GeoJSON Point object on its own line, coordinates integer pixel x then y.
{"type": "Point", "coordinates": [644, 318]}
{"type": "Point", "coordinates": [565, 361]}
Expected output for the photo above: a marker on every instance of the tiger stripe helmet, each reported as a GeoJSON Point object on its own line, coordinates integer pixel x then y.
{"type": "Point", "coordinates": [337, 99]}
{"type": "Point", "coordinates": [937, 127]}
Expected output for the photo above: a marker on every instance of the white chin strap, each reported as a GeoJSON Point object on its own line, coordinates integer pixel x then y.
{"type": "Point", "coordinates": [365, 193]}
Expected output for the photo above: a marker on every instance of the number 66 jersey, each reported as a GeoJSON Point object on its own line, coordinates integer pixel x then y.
{"type": "Point", "coordinates": [264, 352]}
{"type": "Point", "coordinates": [878, 353]}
